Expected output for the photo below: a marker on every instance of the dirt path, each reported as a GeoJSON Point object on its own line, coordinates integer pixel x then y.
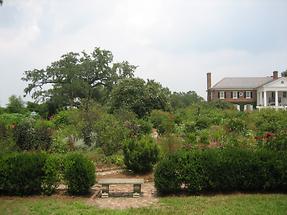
{"type": "Point", "coordinates": [121, 194]}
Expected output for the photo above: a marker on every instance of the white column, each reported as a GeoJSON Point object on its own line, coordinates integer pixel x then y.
{"type": "Point", "coordinates": [276, 98]}
{"type": "Point", "coordinates": [258, 99]}
{"type": "Point", "coordinates": [265, 98]}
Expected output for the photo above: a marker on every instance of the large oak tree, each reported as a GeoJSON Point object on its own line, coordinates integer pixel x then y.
{"type": "Point", "coordinates": [77, 76]}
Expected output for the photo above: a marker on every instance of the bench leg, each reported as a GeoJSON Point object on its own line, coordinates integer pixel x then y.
{"type": "Point", "coordinates": [105, 191]}
{"type": "Point", "coordinates": [137, 190]}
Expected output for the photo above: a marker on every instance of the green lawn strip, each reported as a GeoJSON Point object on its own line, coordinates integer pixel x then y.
{"type": "Point", "coordinates": [218, 204]}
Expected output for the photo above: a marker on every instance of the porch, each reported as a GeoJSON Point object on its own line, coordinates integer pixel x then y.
{"type": "Point", "coordinates": [276, 99]}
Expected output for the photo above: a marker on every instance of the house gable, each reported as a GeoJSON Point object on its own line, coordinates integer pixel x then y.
{"type": "Point", "coordinates": [280, 83]}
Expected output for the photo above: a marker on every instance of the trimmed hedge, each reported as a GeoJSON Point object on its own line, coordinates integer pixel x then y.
{"type": "Point", "coordinates": [35, 173]}
{"type": "Point", "coordinates": [79, 173]}
{"type": "Point", "coordinates": [222, 170]}
{"type": "Point", "coordinates": [141, 155]}
{"type": "Point", "coordinates": [21, 174]}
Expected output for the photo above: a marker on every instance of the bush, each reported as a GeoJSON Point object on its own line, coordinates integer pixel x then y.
{"type": "Point", "coordinates": [79, 173]}
{"type": "Point", "coordinates": [222, 170]}
{"type": "Point", "coordinates": [9, 119]}
{"type": "Point", "coordinates": [170, 143]}
{"type": "Point", "coordinates": [109, 134]}
{"type": "Point", "coordinates": [35, 173]}
{"type": "Point", "coordinates": [21, 174]}
{"type": "Point", "coordinates": [140, 155]}
{"type": "Point", "coordinates": [25, 134]}
{"type": "Point", "coordinates": [166, 177]}
{"type": "Point", "coordinates": [164, 122]}
{"type": "Point", "coordinates": [236, 125]}
{"type": "Point", "coordinates": [32, 135]}
{"type": "Point", "coordinates": [52, 174]}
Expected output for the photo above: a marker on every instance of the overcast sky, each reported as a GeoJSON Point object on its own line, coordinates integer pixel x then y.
{"type": "Point", "coordinates": [175, 42]}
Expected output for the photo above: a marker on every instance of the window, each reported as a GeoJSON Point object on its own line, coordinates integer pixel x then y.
{"type": "Point", "coordinates": [234, 95]}
{"type": "Point", "coordinates": [248, 95]}
{"type": "Point", "coordinates": [284, 94]}
{"type": "Point", "coordinates": [221, 95]}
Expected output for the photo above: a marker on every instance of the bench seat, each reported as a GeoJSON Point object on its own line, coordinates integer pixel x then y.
{"type": "Point", "coordinates": [107, 181]}
{"type": "Point", "coordinates": [121, 181]}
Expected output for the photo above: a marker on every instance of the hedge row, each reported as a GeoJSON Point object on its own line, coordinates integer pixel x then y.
{"type": "Point", "coordinates": [35, 173]}
{"type": "Point", "coordinates": [222, 170]}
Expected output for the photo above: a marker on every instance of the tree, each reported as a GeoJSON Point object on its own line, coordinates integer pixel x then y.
{"type": "Point", "coordinates": [77, 76]}
{"type": "Point", "coordinates": [140, 97]}
{"type": "Point", "coordinates": [284, 74]}
{"type": "Point", "coordinates": [184, 99]}
{"type": "Point", "coordinates": [15, 105]}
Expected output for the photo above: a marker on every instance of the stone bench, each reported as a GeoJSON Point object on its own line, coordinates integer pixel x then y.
{"type": "Point", "coordinates": [108, 181]}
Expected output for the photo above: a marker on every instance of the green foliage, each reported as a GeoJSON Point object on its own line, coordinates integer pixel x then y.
{"type": "Point", "coordinates": [140, 155]}
{"type": "Point", "coordinates": [64, 139]}
{"type": "Point", "coordinates": [52, 169]}
{"type": "Point", "coordinates": [25, 134]}
{"type": "Point", "coordinates": [79, 174]}
{"type": "Point", "coordinates": [40, 109]}
{"type": "Point", "coordinates": [224, 170]}
{"type": "Point", "coordinates": [110, 134]}
{"type": "Point", "coordinates": [139, 96]}
{"type": "Point", "coordinates": [64, 118]}
{"type": "Point", "coordinates": [236, 125]}
{"type": "Point", "coordinates": [162, 121]}
{"type": "Point", "coordinates": [21, 173]}
{"type": "Point", "coordinates": [183, 100]}
{"type": "Point", "coordinates": [170, 143]}
{"type": "Point", "coordinates": [221, 105]}
{"type": "Point", "coordinates": [136, 127]}
{"type": "Point", "coordinates": [11, 119]}
{"type": "Point", "coordinates": [15, 105]}
{"type": "Point", "coordinates": [7, 142]}
{"type": "Point", "coordinates": [166, 177]}
{"type": "Point", "coordinates": [77, 76]}
{"type": "Point", "coordinates": [32, 135]}
{"type": "Point", "coordinates": [269, 121]}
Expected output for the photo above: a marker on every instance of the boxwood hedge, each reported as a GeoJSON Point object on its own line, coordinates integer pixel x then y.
{"type": "Point", "coordinates": [222, 170]}
{"type": "Point", "coordinates": [28, 173]}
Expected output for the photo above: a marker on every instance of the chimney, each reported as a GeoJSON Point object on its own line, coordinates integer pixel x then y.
{"type": "Point", "coordinates": [208, 80]}
{"type": "Point", "coordinates": [275, 75]}
{"type": "Point", "coordinates": [208, 86]}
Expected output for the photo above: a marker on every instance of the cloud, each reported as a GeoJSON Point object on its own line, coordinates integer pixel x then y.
{"type": "Point", "coordinates": [174, 42]}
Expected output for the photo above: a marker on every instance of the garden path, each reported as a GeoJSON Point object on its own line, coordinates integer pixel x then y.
{"type": "Point", "coordinates": [121, 194]}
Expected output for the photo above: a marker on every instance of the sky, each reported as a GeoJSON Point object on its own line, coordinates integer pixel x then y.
{"type": "Point", "coordinates": [175, 42]}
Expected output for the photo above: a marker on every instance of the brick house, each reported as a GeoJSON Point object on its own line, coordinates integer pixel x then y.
{"type": "Point", "coordinates": [248, 93]}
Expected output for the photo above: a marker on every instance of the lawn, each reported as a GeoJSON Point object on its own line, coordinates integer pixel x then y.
{"type": "Point", "coordinates": [218, 204]}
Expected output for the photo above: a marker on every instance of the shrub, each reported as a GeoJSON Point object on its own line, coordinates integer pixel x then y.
{"type": "Point", "coordinates": [21, 173]}
{"type": "Point", "coordinates": [277, 141]}
{"type": "Point", "coordinates": [64, 118]}
{"type": "Point", "coordinates": [140, 155]}
{"type": "Point", "coordinates": [222, 170]}
{"type": "Point", "coordinates": [43, 135]}
{"type": "Point", "coordinates": [170, 143]}
{"type": "Point", "coordinates": [52, 174]}
{"type": "Point", "coordinates": [25, 134]}
{"type": "Point", "coordinates": [109, 134]}
{"type": "Point", "coordinates": [32, 135]}
{"type": "Point", "coordinates": [9, 119]}
{"type": "Point", "coordinates": [79, 173]}
{"type": "Point", "coordinates": [7, 143]}
{"type": "Point", "coordinates": [166, 177]}
{"type": "Point", "coordinates": [236, 125]}
{"type": "Point", "coordinates": [164, 122]}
